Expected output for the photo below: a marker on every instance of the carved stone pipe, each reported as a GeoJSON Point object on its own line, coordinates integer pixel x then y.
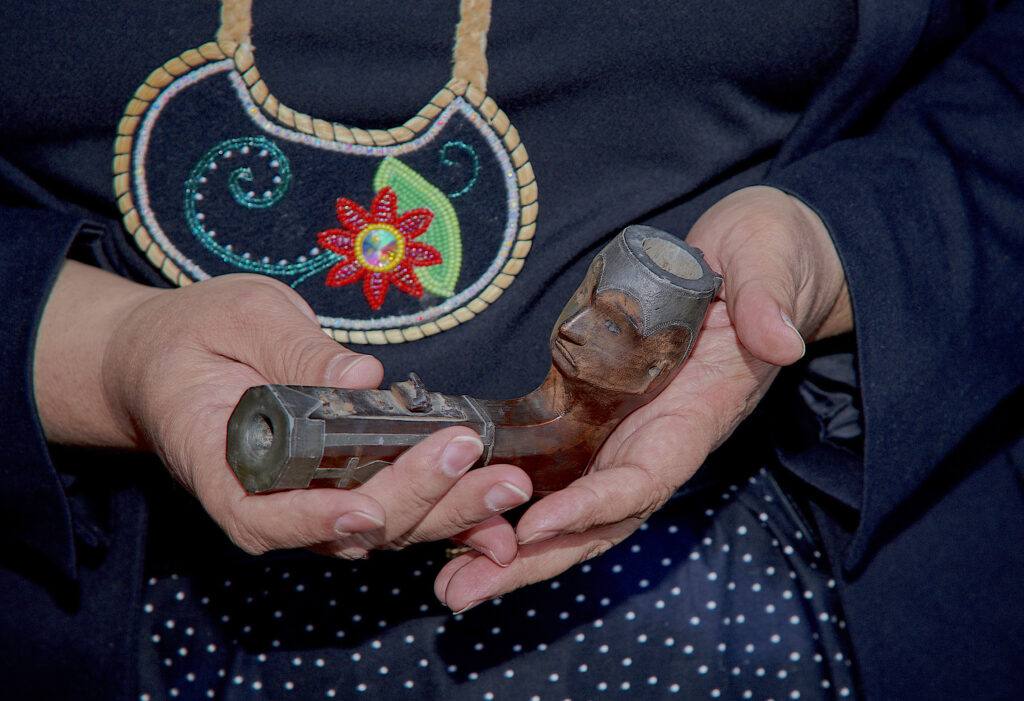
{"type": "Point", "coordinates": [619, 341]}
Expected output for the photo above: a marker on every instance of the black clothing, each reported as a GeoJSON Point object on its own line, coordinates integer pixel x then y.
{"type": "Point", "coordinates": [903, 129]}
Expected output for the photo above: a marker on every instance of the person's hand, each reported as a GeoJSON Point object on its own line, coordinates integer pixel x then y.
{"type": "Point", "coordinates": [124, 365]}
{"type": "Point", "coordinates": [782, 283]}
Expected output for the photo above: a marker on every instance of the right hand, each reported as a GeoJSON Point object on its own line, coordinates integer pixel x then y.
{"type": "Point", "coordinates": [127, 366]}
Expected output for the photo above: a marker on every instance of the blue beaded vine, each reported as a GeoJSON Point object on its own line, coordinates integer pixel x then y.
{"type": "Point", "coordinates": [240, 183]}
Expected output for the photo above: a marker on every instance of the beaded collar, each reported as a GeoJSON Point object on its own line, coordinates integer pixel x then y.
{"type": "Point", "coordinates": [391, 234]}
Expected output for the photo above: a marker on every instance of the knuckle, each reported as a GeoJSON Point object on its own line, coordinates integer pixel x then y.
{"type": "Point", "coordinates": [401, 542]}
{"type": "Point", "coordinates": [597, 546]}
{"type": "Point", "coordinates": [246, 538]}
{"type": "Point", "coordinates": [653, 492]}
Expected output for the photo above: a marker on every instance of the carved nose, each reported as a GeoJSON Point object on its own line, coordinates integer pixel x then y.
{"type": "Point", "coordinates": [573, 329]}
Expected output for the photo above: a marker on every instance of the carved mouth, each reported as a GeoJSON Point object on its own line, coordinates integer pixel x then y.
{"type": "Point", "coordinates": [563, 348]}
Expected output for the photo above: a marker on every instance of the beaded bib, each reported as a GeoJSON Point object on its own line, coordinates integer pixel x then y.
{"type": "Point", "coordinates": [391, 234]}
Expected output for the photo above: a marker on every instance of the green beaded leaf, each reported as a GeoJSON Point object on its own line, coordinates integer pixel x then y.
{"type": "Point", "coordinates": [444, 234]}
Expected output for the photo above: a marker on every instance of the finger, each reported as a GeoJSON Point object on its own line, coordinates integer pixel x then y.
{"type": "Point", "coordinates": [495, 538]}
{"type": "Point", "coordinates": [267, 326]}
{"type": "Point", "coordinates": [471, 579]}
{"type": "Point", "coordinates": [645, 470]}
{"type": "Point", "coordinates": [293, 519]}
{"type": "Point", "coordinates": [477, 497]}
{"type": "Point", "coordinates": [418, 480]}
{"type": "Point", "coordinates": [468, 514]}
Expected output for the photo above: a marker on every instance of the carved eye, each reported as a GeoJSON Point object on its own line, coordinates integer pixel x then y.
{"type": "Point", "coordinates": [612, 326]}
{"type": "Point", "coordinates": [653, 371]}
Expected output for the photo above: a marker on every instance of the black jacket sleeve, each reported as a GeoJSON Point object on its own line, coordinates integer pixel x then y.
{"type": "Point", "coordinates": [35, 234]}
{"type": "Point", "coordinates": [926, 210]}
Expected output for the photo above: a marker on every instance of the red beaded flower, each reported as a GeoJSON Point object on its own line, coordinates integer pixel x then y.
{"type": "Point", "coordinates": [378, 247]}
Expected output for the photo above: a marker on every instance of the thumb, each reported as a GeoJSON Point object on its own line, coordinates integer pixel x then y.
{"type": "Point", "coordinates": [304, 355]}
{"type": "Point", "coordinates": [752, 236]}
{"type": "Point", "coordinates": [285, 342]}
{"type": "Point", "coordinates": [761, 300]}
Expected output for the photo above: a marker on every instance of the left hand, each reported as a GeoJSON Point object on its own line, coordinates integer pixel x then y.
{"type": "Point", "coordinates": [781, 273]}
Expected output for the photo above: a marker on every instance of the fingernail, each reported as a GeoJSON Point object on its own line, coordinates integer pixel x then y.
{"type": "Point", "coordinates": [343, 365]}
{"type": "Point", "coordinates": [354, 553]}
{"type": "Point", "coordinates": [504, 495]}
{"type": "Point", "coordinates": [492, 556]}
{"type": "Point", "coordinates": [467, 607]}
{"type": "Point", "coordinates": [789, 322]}
{"type": "Point", "coordinates": [460, 454]}
{"type": "Point", "coordinates": [538, 537]}
{"type": "Point", "coordinates": [356, 522]}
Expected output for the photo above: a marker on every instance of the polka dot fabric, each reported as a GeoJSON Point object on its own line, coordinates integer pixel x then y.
{"type": "Point", "coordinates": [722, 594]}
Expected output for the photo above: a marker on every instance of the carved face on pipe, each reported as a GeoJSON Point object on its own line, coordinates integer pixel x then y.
{"type": "Point", "coordinates": [599, 340]}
